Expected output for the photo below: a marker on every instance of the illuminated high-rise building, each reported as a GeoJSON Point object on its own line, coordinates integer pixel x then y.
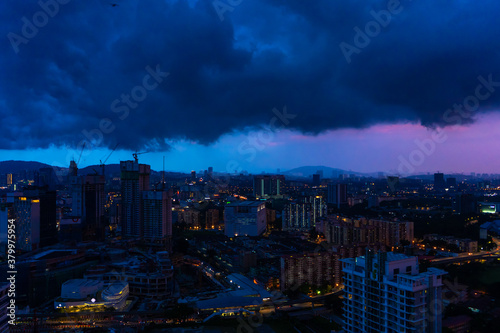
{"type": "Point", "coordinates": [48, 213]}
{"type": "Point", "coordinates": [385, 292]}
{"type": "Point", "coordinates": [25, 215]}
{"type": "Point", "coordinates": [134, 181]}
{"type": "Point", "coordinates": [303, 213]}
{"type": "Point", "coordinates": [157, 217]}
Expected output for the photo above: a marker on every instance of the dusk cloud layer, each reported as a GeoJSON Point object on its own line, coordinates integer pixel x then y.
{"type": "Point", "coordinates": [142, 72]}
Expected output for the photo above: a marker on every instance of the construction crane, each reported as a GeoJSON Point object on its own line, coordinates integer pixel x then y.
{"type": "Point", "coordinates": [102, 163]}
{"type": "Point", "coordinates": [136, 154]}
{"type": "Point", "coordinates": [80, 157]}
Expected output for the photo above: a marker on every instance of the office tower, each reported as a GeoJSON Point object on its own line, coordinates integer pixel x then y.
{"type": "Point", "coordinates": [193, 175]}
{"type": "Point", "coordinates": [48, 213]}
{"type": "Point", "coordinates": [337, 194]}
{"type": "Point", "coordinates": [245, 218]}
{"type": "Point", "coordinates": [94, 201]}
{"type": "Point", "coordinates": [210, 171]}
{"type": "Point", "coordinates": [157, 216]}
{"type": "Point", "coordinates": [385, 292]}
{"type": "Point", "coordinates": [439, 183]}
{"type": "Point", "coordinates": [26, 218]}
{"type": "Point", "coordinates": [316, 269]}
{"type": "Point", "coordinates": [134, 181]}
{"type": "Point", "coordinates": [303, 213]}
{"type": "Point", "coordinates": [9, 179]}
{"type": "Point", "coordinates": [268, 185]}
{"type": "Point", "coordinates": [316, 179]}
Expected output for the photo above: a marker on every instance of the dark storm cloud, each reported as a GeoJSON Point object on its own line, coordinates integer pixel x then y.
{"type": "Point", "coordinates": [228, 75]}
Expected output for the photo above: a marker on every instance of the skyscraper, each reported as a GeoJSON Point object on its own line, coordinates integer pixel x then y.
{"type": "Point", "coordinates": [385, 292]}
{"type": "Point", "coordinates": [157, 217]}
{"type": "Point", "coordinates": [94, 201]}
{"type": "Point", "coordinates": [48, 213]}
{"type": "Point", "coordinates": [303, 213]}
{"type": "Point", "coordinates": [134, 181]}
{"type": "Point", "coordinates": [25, 215]}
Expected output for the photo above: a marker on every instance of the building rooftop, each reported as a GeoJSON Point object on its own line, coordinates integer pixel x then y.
{"type": "Point", "coordinates": [391, 256]}
{"type": "Point", "coordinates": [78, 283]}
{"type": "Point", "coordinates": [247, 203]}
{"type": "Point", "coordinates": [51, 254]}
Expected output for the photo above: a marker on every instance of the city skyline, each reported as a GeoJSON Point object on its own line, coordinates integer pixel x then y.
{"type": "Point", "coordinates": [250, 165]}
